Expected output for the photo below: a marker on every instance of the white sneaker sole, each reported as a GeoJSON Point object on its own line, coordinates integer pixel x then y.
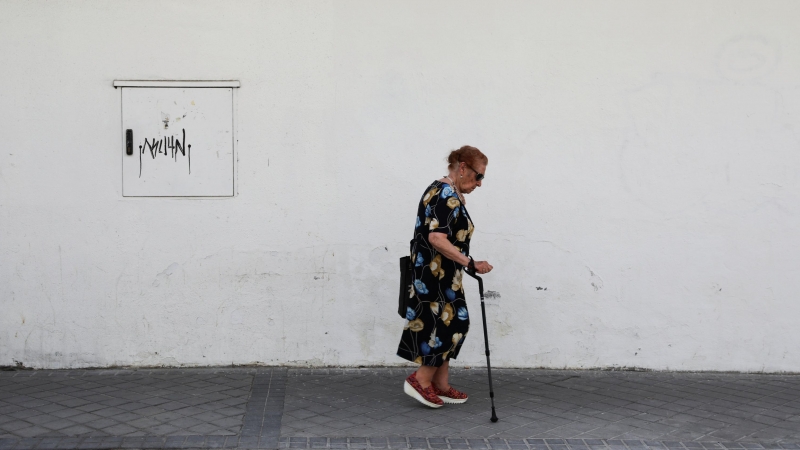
{"type": "Point", "coordinates": [453, 400]}
{"type": "Point", "coordinates": [409, 390]}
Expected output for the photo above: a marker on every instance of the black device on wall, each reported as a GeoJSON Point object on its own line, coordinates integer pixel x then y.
{"type": "Point", "coordinates": [129, 142]}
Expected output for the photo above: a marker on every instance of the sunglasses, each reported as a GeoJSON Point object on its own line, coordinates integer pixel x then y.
{"type": "Point", "coordinates": [478, 175]}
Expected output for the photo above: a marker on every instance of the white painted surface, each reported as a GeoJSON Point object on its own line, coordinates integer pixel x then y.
{"type": "Point", "coordinates": [644, 170]}
{"type": "Point", "coordinates": [182, 142]}
{"type": "Point", "coordinates": [179, 83]}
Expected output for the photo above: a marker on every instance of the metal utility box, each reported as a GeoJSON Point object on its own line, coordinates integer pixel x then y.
{"type": "Point", "coordinates": [178, 139]}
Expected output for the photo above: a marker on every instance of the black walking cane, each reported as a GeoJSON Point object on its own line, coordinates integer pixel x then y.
{"type": "Point", "coordinates": [471, 272]}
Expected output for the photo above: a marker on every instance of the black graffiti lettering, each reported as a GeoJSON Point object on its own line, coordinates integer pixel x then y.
{"type": "Point", "coordinates": [152, 146]}
{"type": "Point", "coordinates": [180, 147]}
{"type": "Point", "coordinates": [169, 146]}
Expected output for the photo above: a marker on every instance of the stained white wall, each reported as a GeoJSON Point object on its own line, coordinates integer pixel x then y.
{"type": "Point", "coordinates": [641, 204]}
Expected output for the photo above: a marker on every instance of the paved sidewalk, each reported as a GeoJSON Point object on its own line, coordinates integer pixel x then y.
{"type": "Point", "coordinates": [366, 408]}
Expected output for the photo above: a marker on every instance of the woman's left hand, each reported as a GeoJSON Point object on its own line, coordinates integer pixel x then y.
{"type": "Point", "coordinates": [483, 267]}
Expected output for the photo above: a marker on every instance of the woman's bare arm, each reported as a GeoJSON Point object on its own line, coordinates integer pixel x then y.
{"type": "Point", "coordinates": [442, 245]}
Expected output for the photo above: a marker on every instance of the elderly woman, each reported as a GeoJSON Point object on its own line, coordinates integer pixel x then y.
{"type": "Point", "coordinates": [437, 317]}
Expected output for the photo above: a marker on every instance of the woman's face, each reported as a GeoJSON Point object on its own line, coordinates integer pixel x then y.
{"type": "Point", "coordinates": [469, 179]}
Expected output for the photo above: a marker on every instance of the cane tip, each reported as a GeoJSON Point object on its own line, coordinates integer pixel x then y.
{"type": "Point", "coordinates": [494, 419]}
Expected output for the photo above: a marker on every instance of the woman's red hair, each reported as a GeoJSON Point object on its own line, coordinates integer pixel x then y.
{"type": "Point", "coordinates": [467, 154]}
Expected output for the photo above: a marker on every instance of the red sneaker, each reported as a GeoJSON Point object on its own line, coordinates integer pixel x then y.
{"type": "Point", "coordinates": [426, 396]}
{"type": "Point", "coordinates": [451, 395]}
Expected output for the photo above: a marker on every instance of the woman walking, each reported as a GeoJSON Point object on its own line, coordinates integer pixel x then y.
{"type": "Point", "coordinates": [437, 319]}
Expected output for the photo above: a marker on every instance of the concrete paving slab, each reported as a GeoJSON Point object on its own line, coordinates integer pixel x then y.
{"type": "Point", "coordinates": [366, 408]}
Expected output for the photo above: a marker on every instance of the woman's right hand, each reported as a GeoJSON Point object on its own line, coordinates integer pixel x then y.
{"type": "Point", "coordinates": [483, 267]}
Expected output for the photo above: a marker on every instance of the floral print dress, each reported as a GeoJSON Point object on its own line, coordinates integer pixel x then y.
{"type": "Point", "coordinates": [437, 319]}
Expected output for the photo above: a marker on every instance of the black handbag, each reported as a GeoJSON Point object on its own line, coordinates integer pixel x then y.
{"type": "Point", "coordinates": [406, 280]}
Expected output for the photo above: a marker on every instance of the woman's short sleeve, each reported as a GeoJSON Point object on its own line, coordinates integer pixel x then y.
{"type": "Point", "coordinates": [443, 211]}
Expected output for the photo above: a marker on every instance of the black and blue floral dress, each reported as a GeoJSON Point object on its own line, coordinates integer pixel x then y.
{"type": "Point", "coordinates": [437, 319]}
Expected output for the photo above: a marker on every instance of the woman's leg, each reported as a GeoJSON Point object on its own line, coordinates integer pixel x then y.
{"type": "Point", "coordinates": [425, 375]}
{"type": "Point", "coordinates": [441, 378]}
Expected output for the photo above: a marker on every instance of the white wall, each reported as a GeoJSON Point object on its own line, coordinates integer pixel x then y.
{"type": "Point", "coordinates": [644, 169]}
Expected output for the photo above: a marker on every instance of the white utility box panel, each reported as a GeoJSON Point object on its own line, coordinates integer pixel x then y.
{"type": "Point", "coordinates": [177, 138]}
